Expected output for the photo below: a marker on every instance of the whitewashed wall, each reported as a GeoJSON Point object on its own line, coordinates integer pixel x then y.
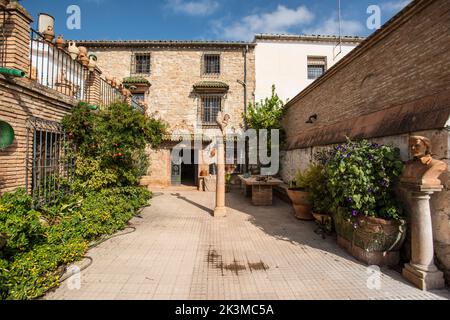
{"type": "Point", "coordinates": [284, 64]}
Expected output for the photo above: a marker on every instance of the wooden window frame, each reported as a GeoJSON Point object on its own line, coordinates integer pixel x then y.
{"type": "Point", "coordinates": [134, 63]}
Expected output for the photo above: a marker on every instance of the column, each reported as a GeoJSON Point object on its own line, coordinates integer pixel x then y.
{"type": "Point", "coordinates": [421, 271]}
{"type": "Point", "coordinates": [220, 210]}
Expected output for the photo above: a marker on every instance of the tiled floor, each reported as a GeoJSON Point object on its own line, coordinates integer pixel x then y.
{"type": "Point", "coordinates": [179, 251]}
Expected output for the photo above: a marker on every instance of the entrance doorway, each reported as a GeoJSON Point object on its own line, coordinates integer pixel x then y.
{"type": "Point", "coordinates": [185, 173]}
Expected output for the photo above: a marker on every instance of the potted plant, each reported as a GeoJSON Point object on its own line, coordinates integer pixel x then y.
{"type": "Point", "coordinates": [228, 177]}
{"type": "Point", "coordinates": [321, 200]}
{"type": "Point", "coordinates": [299, 193]}
{"type": "Point", "coordinates": [361, 178]}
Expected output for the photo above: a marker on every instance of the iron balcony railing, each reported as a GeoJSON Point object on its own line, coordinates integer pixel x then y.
{"type": "Point", "coordinates": [55, 69]}
{"type": "Point", "coordinates": [135, 103]}
{"type": "Point", "coordinates": [108, 94]}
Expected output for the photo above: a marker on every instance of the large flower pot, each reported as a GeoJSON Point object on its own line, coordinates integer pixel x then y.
{"type": "Point", "coordinates": [374, 241]}
{"type": "Point", "coordinates": [302, 204]}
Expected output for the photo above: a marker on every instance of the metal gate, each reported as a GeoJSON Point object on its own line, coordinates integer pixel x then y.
{"type": "Point", "coordinates": [49, 164]}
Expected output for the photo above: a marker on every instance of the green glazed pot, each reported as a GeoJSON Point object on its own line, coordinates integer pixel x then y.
{"type": "Point", "coordinates": [6, 135]}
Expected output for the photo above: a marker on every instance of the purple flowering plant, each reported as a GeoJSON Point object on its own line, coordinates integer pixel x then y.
{"type": "Point", "coordinates": [361, 177]}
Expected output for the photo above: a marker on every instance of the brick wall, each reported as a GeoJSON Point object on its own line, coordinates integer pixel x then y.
{"type": "Point", "coordinates": [21, 99]}
{"type": "Point", "coordinates": [400, 66]}
{"type": "Point", "coordinates": [395, 84]}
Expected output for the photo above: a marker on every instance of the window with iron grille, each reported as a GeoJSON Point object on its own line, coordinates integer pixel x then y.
{"type": "Point", "coordinates": [211, 106]}
{"type": "Point", "coordinates": [48, 162]}
{"type": "Point", "coordinates": [316, 67]}
{"type": "Point", "coordinates": [141, 63]}
{"type": "Point", "coordinates": [211, 64]}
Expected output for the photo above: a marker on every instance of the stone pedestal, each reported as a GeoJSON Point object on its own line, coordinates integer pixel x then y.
{"type": "Point", "coordinates": [421, 271]}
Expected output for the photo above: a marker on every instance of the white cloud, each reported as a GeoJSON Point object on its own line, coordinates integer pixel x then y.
{"type": "Point", "coordinates": [193, 7]}
{"type": "Point", "coordinates": [331, 27]}
{"type": "Point", "coordinates": [282, 20]}
{"type": "Point", "coordinates": [395, 5]}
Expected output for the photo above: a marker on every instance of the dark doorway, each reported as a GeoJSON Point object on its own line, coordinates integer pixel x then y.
{"type": "Point", "coordinates": [189, 170]}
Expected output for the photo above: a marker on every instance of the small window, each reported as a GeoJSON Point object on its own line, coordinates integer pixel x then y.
{"type": "Point", "coordinates": [211, 64]}
{"type": "Point", "coordinates": [141, 63]}
{"type": "Point", "coordinates": [316, 67]}
{"type": "Point", "coordinates": [139, 96]}
{"type": "Point", "coordinates": [211, 106]}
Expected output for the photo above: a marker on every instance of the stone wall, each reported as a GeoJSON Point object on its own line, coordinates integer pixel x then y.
{"type": "Point", "coordinates": [395, 84]}
{"type": "Point", "coordinates": [173, 74]}
{"type": "Point", "coordinates": [174, 71]}
{"type": "Point", "coordinates": [21, 99]}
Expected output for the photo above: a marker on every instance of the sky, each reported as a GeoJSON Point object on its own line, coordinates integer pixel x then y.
{"type": "Point", "coordinates": [231, 20]}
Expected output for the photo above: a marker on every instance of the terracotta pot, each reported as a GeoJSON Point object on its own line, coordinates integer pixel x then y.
{"type": "Point", "coordinates": [84, 60]}
{"type": "Point", "coordinates": [83, 51]}
{"type": "Point", "coordinates": [73, 50]}
{"type": "Point", "coordinates": [49, 34]}
{"type": "Point", "coordinates": [60, 42]}
{"type": "Point", "coordinates": [302, 204]}
{"type": "Point", "coordinates": [371, 240]}
{"type": "Point", "coordinates": [203, 173]}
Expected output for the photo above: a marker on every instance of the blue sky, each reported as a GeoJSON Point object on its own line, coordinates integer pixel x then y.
{"type": "Point", "coordinates": [210, 19]}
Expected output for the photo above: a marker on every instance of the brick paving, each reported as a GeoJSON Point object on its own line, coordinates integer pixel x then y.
{"type": "Point", "coordinates": [179, 251]}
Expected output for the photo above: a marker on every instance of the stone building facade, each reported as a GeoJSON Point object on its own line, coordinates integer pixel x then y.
{"type": "Point", "coordinates": [176, 79]}
{"type": "Point", "coordinates": [394, 85]}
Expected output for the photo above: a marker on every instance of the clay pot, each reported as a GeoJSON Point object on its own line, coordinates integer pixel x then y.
{"type": "Point", "coordinates": [114, 83]}
{"type": "Point", "coordinates": [108, 78]}
{"type": "Point", "coordinates": [302, 204]}
{"type": "Point", "coordinates": [84, 60]}
{"type": "Point", "coordinates": [73, 50]}
{"type": "Point", "coordinates": [204, 173]}
{"type": "Point", "coordinates": [49, 34]}
{"type": "Point", "coordinates": [60, 42]}
{"type": "Point", "coordinates": [83, 51]}
{"type": "Point", "coordinates": [374, 241]}
{"type": "Point", "coordinates": [92, 62]}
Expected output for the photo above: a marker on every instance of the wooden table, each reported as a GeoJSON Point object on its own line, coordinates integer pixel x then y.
{"type": "Point", "coordinates": [260, 191]}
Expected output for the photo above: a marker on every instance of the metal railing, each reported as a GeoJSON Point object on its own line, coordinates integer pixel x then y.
{"type": "Point", "coordinates": [55, 69]}
{"type": "Point", "coordinates": [135, 103]}
{"type": "Point", "coordinates": [108, 94]}
{"type": "Point", "coordinates": [3, 38]}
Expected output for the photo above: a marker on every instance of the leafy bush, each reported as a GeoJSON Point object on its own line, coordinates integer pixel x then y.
{"type": "Point", "coordinates": [361, 177]}
{"type": "Point", "coordinates": [34, 252]}
{"type": "Point", "coordinates": [304, 179]}
{"type": "Point", "coordinates": [110, 144]}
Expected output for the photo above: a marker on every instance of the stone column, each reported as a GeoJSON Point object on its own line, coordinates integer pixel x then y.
{"type": "Point", "coordinates": [15, 51]}
{"type": "Point", "coordinates": [421, 271]}
{"type": "Point", "coordinates": [220, 210]}
{"type": "Point", "coordinates": [421, 179]}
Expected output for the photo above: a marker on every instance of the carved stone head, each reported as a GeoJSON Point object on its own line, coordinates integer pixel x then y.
{"type": "Point", "coordinates": [419, 146]}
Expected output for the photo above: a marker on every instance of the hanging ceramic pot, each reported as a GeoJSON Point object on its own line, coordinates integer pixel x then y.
{"type": "Point", "coordinates": [74, 51]}
{"type": "Point", "coordinates": [49, 34]}
{"type": "Point", "coordinates": [84, 60]}
{"type": "Point", "coordinates": [108, 78]}
{"type": "Point", "coordinates": [114, 82]}
{"type": "Point", "coordinates": [60, 42]}
{"type": "Point", "coordinates": [92, 62]}
{"type": "Point", "coordinates": [83, 51]}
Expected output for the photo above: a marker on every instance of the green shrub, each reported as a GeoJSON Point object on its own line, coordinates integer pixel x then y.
{"type": "Point", "coordinates": [361, 177]}
{"type": "Point", "coordinates": [29, 264]}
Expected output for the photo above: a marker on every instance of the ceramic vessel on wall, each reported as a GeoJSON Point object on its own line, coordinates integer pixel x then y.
{"type": "Point", "coordinates": [60, 42]}
{"type": "Point", "coordinates": [73, 50]}
{"type": "Point", "coordinates": [49, 34]}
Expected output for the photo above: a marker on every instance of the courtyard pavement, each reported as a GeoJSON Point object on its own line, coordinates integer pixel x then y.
{"type": "Point", "coordinates": [179, 251]}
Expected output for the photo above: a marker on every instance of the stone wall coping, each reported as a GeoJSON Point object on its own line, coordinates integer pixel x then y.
{"type": "Point", "coordinates": [16, 6]}
{"type": "Point", "coordinates": [262, 37]}
{"type": "Point", "coordinates": [163, 44]}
